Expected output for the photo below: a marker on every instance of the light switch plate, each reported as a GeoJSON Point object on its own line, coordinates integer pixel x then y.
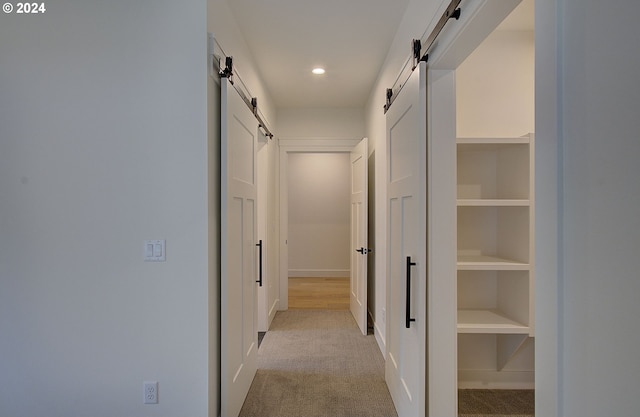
{"type": "Point", "coordinates": [155, 250]}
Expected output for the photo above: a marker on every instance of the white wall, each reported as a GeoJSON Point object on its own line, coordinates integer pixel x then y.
{"type": "Point", "coordinates": [326, 233]}
{"type": "Point", "coordinates": [319, 214]}
{"type": "Point", "coordinates": [548, 194]}
{"type": "Point", "coordinates": [213, 155]}
{"type": "Point", "coordinates": [334, 123]}
{"type": "Point", "coordinates": [103, 144]}
{"type": "Point", "coordinates": [495, 87]}
{"type": "Point", "coordinates": [600, 330]}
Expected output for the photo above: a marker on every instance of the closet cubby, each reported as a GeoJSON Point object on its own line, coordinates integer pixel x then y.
{"type": "Point", "coordinates": [493, 172]}
{"type": "Point", "coordinates": [495, 302]}
{"type": "Point", "coordinates": [481, 354]}
{"type": "Point", "coordinates": [493, 237]}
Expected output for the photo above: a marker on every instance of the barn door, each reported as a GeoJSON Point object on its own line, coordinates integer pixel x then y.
{"type": "Point", "coordinates": [239, 335]}
{"type": "Point", "coordinates": [406, 363]}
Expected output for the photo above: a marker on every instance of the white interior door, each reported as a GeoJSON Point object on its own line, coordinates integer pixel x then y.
{"type": "Point", "coordinates": [239, 335]}
{"type": "Point", "coordinates": [359, 229]}
{"type": "Point", "coordinates": [407, 246]}
{"type": "Point", "coordinates": [263, 264]}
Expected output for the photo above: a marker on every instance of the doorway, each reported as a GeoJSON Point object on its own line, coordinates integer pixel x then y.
{"type": "Point", "coordinates": [496, 171]}
{"type": "Point", "coordinates": [318, 239]}
{"type": "Point", "coordinates": [303, 164]}
{"type": "Point", "coordinates": [318, 189]}
{"type": "Point", "coordinates": [485, 88]}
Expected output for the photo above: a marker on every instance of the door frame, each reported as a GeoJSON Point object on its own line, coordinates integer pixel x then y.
{"type": "Point", "coordinates": [291, 145]}
{"type": "Point", "coordinates": [455, 45]}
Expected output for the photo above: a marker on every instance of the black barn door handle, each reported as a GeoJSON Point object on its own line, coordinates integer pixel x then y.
{"type": "Point", "coordinates": [259, 245]}
{"type": "Point", "coordinates": [408, 318]}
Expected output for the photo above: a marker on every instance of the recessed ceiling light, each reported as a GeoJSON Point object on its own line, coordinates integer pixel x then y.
{"type": "Point", "coordinates": [318, 71]}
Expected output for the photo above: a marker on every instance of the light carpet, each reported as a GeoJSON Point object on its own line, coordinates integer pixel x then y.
{"type": "Point", "coordinates": [317, 363]}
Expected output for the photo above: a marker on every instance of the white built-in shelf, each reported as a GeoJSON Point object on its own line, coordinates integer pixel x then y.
{"type": "Point", "coordinates": [486, 202]}
{"type": "Point", "coordinates": [494, 169]}
{"type": "Point", "coordinates": [489, 263]}
{"type": "Point", "coordinates": [488, 321]}
{"type": "Point", "coordinates": [522, 140]}
{"type": "Point", "coordinates": [495, 257]}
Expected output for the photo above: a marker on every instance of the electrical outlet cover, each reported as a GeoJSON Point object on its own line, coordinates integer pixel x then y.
{"type": "Point", "coordinates": [150, 392]}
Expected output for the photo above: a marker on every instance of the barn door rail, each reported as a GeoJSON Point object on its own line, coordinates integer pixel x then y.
{"type": "Point", "coordinates": [417, 55]}
{"type": "Point", "coordinates": [228, 69]}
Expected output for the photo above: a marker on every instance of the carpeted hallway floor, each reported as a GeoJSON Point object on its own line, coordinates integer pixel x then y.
{"type": "Point", "coordinates": [315, 363]}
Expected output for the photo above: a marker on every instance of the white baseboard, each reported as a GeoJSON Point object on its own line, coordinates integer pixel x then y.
{"type": "Point", "coordinates": [489, 379]}
{"type": "Point", "coordinates": [378, 335]}
{"type": "Point", "coordinates": [272, 312]}
{"type": "Point", "coordinates": [319, 273]}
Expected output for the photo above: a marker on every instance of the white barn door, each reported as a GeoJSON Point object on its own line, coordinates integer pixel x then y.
{"type": "Point", "coordinates": [359, 230]}
{"type": "Point", "coordinates": [407, 246]}
{"type": "Point", "coordinates": [239, 335]}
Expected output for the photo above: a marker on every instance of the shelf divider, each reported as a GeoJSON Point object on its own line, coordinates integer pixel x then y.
{"type": "Point", "coordinates": [507, 347]}
{"type": "Point", "coordinates": [497, 202]}
{"type": "Point", "coordinates": [522, 140]}
{"type": "Point", "coordinates": [489, 263]}
{"type": "Point", "coordinates": [488, 322]}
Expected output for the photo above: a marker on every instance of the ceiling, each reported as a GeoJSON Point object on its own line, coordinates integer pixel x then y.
{"type": "Point", "coordinates": [288, 38]}
{"type": "Point", "coordinates": [350, 39]}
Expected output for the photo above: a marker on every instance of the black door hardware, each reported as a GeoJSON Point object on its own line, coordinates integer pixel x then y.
{"type": "Point", "coordinates": [408, 318]}
{"type": "Point", "coordinates": [259, 245]}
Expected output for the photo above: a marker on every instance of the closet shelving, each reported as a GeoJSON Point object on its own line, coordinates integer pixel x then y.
{"type": "Point", "coordinates": [495, 237]}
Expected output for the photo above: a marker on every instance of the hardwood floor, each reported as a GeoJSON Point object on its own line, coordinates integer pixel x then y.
{"type": "Point", "coordinates": [319, 293]}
